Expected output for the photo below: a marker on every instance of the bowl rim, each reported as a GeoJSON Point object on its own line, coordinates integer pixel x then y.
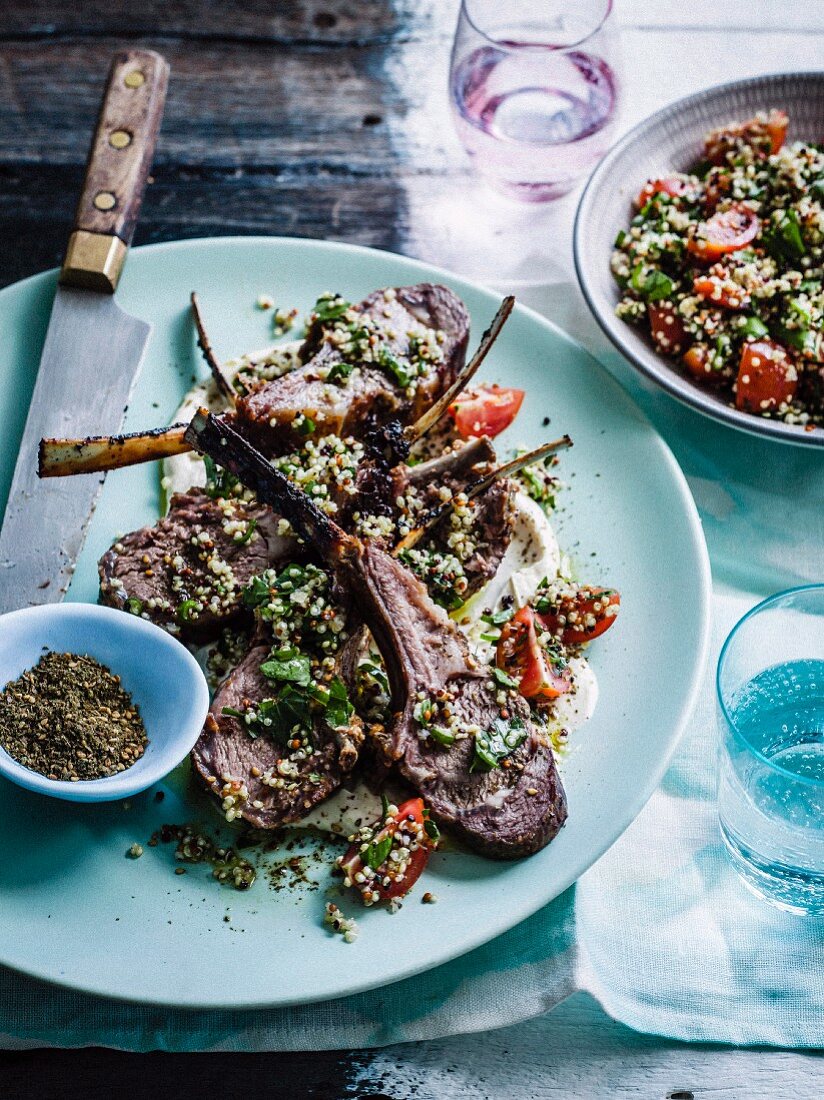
{"type": "Point", "coordinates": [175, 748]}
{"type": "Point", "coordinates": [652, 365]}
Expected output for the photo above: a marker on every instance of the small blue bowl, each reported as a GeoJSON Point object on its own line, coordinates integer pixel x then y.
{"type": "Point", "coordinates": [161, 675]}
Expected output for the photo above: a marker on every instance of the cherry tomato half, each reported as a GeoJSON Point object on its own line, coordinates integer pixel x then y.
{"type": "Point", "coordinates": [391, 878]}
{"type": "Point", "coordinates": [766, 377]}
{"type": "Point", "coordinates": [586, 615]}
{"type": "Point", "coordinates": [721, 291]}
{"type": "Point", "coordinates": [667, 327]}
{"type": "Point", "coordinates": [521, 655]}
{"type": "Point", "coordinates": [696, 359]}
{"type": "Point", "coordinates": [726, 231]}
{"type": "Point", "coordinates": [670, 185]}
{"type": "Point", "coordinates": [485, 410]}
{"type": "Point", "coordinates": [766, 136]}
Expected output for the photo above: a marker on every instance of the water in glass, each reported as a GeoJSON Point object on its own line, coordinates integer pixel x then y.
{"type": "Point", "coordinates": [771, 786]}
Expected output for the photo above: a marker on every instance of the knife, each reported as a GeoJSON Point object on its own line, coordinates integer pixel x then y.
{"type": "Point", "coordinates": [93, 349]}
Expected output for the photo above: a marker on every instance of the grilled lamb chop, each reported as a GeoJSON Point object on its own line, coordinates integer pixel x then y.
{"type": "Point", "coordinates": [201, 555]}
{"type": "Point", "coordinates": [94, 454]}
{"type": "Point", "coordinates": [506, 812]}
{"type": "Point", "coordinates": [187, 572]}
{"type": "Point", "coordinates": [127, 581]}
{"type": "Point", "coordinates": [268, 784]}
{"type": "Point", "coordinates": [422, 328]}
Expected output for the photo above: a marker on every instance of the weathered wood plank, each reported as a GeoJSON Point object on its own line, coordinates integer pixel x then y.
{"type": "Point", "coordinates": [299, 22]}
{"type": "Point", "coordinates": [36, 208]}
{"type": "Point", "coordinates": [578, 1053]}
{"type": "Point", "coordinates": [331, 22]}
{"type": "Point", "coordinates": [228, 104]}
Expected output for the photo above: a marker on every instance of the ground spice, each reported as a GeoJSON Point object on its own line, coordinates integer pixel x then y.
{"type": "Point", "coordinates": [194, 846]}
{"type": "Point", "coordinates": [69, 718]}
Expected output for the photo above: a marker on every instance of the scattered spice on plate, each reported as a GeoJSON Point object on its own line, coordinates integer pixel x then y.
{"type": "Point", "coordinates": [194, 846]}
{"type": "Point", "coordinates": [69, 718]}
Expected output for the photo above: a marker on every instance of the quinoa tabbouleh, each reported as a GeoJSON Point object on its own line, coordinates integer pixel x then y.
{"type": "Point", "coordinates": [724, 266]}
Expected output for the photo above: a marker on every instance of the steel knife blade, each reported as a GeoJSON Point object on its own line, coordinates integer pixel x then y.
{"type": "Point", "coordinates": [90, 360]}
{"type": "Point", "coordinates": [93, 349]}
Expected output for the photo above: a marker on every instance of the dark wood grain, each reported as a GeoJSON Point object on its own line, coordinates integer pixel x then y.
{"type": "Point", "coordinates": [296, 22]}
{"type": "Point", "coordinates": [255, 139]}
{"type": "Point", "coordinates": [95, 1074]}
{"type": "Point", "coordinates": [123, 146]}
{"type": "Point", "coordinates": [229, 104]}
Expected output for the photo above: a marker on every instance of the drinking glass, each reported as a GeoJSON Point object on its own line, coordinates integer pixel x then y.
{"type": "Point", "coordinates": [771, 777]}
{"type": "Point", "coordinates": [533, 90]}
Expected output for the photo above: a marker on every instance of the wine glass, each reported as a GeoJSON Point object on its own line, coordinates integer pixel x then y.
{"type": "Point", "coordinates": [534, 91]}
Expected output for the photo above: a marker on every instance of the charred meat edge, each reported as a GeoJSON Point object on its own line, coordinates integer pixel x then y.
{"type": "Point", "coordinates": [504, 813]}
{"type": "Point", "coordinates": [97, 454]}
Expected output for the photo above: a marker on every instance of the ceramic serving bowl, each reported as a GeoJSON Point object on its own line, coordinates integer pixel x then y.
{"type": "Point", "coordinates": [672, 140]}
{"type": "Point", "coordinates": [160, 674]}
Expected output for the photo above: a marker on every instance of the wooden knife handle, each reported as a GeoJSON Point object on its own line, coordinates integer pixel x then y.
{"type": "Point", "coordinates": [117, 170]}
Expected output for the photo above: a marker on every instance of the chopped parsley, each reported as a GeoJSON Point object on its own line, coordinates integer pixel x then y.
{"type": "Point", "coordinates": [500, 742]}
{"type": "Point", "coordinates": [330, 307]}
{"type": "Point", "coordinates": [220, 483]}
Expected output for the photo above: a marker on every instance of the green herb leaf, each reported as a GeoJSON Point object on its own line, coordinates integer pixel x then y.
{"type": "Point", "coordinates": [330, 307]}
{"type": "Point", "coordinates": [802, 339]}
{"type": "Point", "coordinates": [394, 367]}
{"type": "Point", "coordinates": [289, 709]}
{"type": "Point", "coordinates": [502, 740]}
{"type": "Point", "coordinates": [497, 618]}
{"type": "Point", "coordinates": [288, 665]}
{"type": "Point", "coordinates": [377, 674]}
{"type": "Point", "coordinates": [249, 727]}
{"type": "Point", "coordinates": [800, 310]}
{"type": "Point", "coordinates": [134, 606]}
{"type": "Point", "coordinates": [652, 286]}
{"type": "Point", "coordinates": [753, 327]}
{"type": "Point", "coordinates": [338, 710]}
{"type": "Point", "coordinates": [783, 239]}
{"type": "Point", "coordinates": [187, 612]}
{"type": "Point", "coordinates": [501, 678]}
{"type": "Point", "coordinates": [619, 240]}
{"type": "Point", "coordinates": [249, 532]}
{"type": "Point", "coordinates": [219, 481]}
{"type": "Point", "coordinates": [257, 591]}
{"type": "Point", "coordinates": [430, 828]}
{"type": "Point", "coordinates": [442, 735]}
{"type": "Point", "coordinates": [341, 370]}
{"type": "Point", "coordinates": [377, 852]}
{"type": "Point", "coordinates": [384, 807]}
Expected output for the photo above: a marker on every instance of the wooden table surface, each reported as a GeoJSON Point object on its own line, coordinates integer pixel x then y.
{"type": "Point", "coordinates": [325, 118]}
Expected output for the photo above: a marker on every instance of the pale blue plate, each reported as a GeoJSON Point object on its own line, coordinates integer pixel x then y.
{"type": "Point", "coordinates": [74, 910]}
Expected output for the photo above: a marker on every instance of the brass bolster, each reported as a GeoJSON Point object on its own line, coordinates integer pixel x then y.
{"type": "Point", "coordinates": [93, 261]}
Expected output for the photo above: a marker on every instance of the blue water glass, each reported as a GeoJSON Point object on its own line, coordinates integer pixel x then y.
{"type": "Point", "coordinates": [771, 776]}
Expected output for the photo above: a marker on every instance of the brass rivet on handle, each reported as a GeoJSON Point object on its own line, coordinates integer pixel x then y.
{"type": "Point", "coordinates": [104, 200]}
{"type": "Point", "coordinates": [134, 79]}
{"type": "Point", "coordinates": [119, 139]}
